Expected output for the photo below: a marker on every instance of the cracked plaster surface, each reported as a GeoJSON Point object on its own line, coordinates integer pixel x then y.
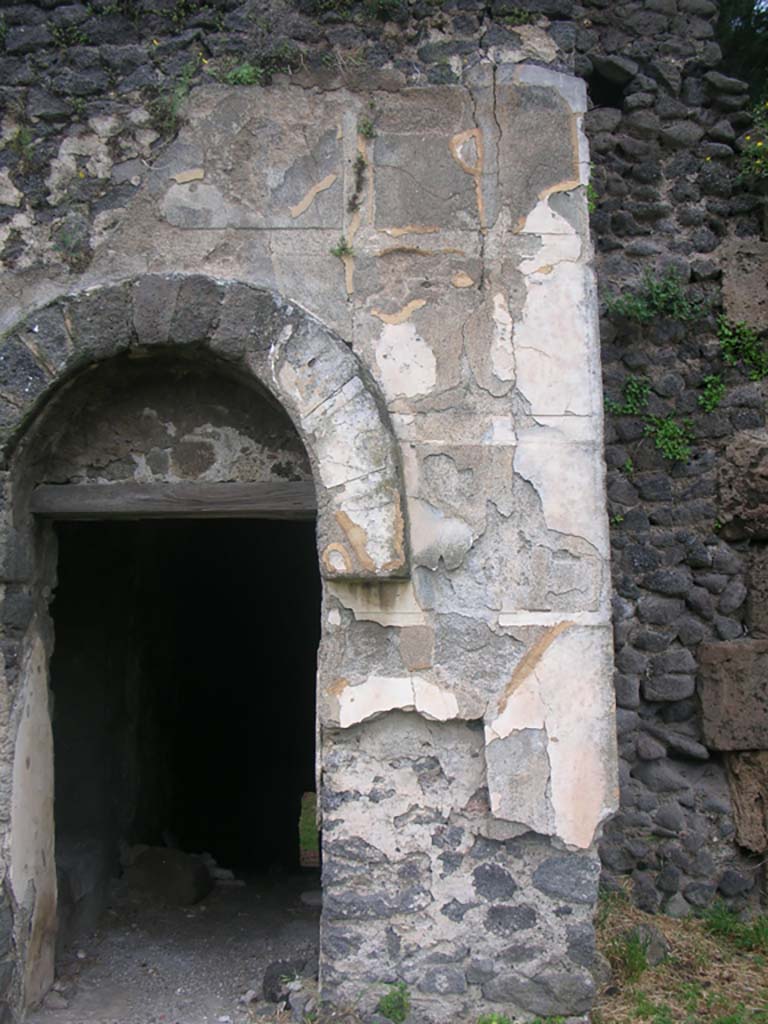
{"type": "Point", "coordinates": [469, 300]}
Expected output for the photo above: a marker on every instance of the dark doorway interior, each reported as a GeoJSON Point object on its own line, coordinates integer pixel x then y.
{"type": "Point", "coordinates": [183, 682]}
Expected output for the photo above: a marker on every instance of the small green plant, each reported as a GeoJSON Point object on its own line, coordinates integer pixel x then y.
{"type": "Point", "coordinates": [244, 74]}
{"type": "Point", "coordinates": [494, 1018]}
{"type": "Point", "coordinates": [617, 519]}
{"type": "Point", "coordinates": [68, 35]}
{"type": "Point", "coordinates": [22, 144]}
{"type": "Point", "coordinates": [629, 467]}
{"type": "Point", "coordinates": [342, 249]}
{"type": "Point", "coordinates": [658, 296]}
{"type": "Point", "coordinates": [592, 197]}
{"type": "Point", "coordinates": [396, 1004]}
{"type": "Point", "coordinates": [750, 936]}
{"type": "Point", "coordinates": [635, 393]}
{"type": "Point", "coordinates": [630, 953]}
{"type": "Point", "coordinates": [671, 438]}
{"type": "Point", "coordinates": [753, 165]}
{"type": "Point", "coordinates": [645, 1009]}
{"type": "Point", "coordinates": [165, 110]}
{"type": "Point", "coordinates": [517, 16]}
{"type": "Point", "coordinates": [741, 344]}
{"type": "Point", "coordinates": [366, 128]}
{"type": "Point", "coordinates": [713, 391]}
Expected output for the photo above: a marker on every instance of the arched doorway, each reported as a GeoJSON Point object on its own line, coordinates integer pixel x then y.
{"type": "Point", "coordinates": [168, 465]}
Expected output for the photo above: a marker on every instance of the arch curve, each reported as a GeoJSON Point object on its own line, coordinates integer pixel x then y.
{"type": "Point", "coordinates": [329, 396]}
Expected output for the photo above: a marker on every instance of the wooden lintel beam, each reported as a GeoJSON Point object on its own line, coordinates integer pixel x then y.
{"type": "Point", "coordinates": [188, 500]}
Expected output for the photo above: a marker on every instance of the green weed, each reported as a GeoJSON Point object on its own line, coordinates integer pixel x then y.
{"type": "Point", "coordinates": [243, 74]}
{"type": "Point", "coordinates": [741, 344]}
{"type": "Point", "coordinates": [753, 164]}
{"type": "Point", "coordinates": [629, 467]}
{"type": "Point", "coordinates": [629, 952]}
{"type": "Point", "coordinates": [165, 110]}
{"type": "Point", "coordinates": [713, 391]}
{"type": "Point", "coordinates": [396, 1004]}
{"type": "Point", "coordinates": [635, 393]}
{"type": "Point", "coordinates": [658, 296]}
{"type": "Point", "coordinates": [671, 438]}
{"type": "Point", "coordinates": [645, 1009]}
{"type": "Point", "coordinates": [617, 519]}
{"type": "Point", "coordinates": [366, 128]}
{"type": "Point", "coordinates": [342, 248]}
{"type": "Point", "coordinates": [592, 197]}
{"type": "Point", "coordinates": [749, 936]}
{"type": "Point", "coordinates": [517, 16]}
{"type": "Point", "coordinates": [68, 35]}
{"type": "Point", "coordinates": [494, 1018]}
{"type": "Point", "coordinates": [22, 144]}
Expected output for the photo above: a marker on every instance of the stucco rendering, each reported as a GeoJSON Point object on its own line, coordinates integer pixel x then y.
{"type": "Point", "coordinates": [418, 299]}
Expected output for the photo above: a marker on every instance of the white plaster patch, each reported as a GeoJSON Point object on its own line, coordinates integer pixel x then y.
{"type": "Point", "coordinates": [502, 352]}
{"type": "Point", "coordinates": [569, 481]}
{"type": "Point", "coordinates": [563, 692]}
{"type": "Point", "coordinates": [554, 338]}
{"type": "Point", "coordinates": [379, 694]}
{"type": "Point", "coordinates": [502, 431]}
{"type": "Point", "coordinates": [436, 537]}
{"type": "Point", "coordinates": [32, 851]}
{"type": "Point", "coordinates": [407, 365]}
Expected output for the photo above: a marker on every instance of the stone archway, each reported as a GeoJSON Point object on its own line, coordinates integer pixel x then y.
{"type": "Point", "coordinates": [264, 343]}
{"type": "Point", "coordinates": [310, 371]}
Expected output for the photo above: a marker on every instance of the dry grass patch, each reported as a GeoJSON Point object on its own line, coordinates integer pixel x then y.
{"type": "Point", "coordinates": [716, 971]}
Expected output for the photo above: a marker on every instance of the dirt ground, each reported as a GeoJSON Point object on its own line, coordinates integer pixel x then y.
{"type": "Point", "coordinates": [164, 965]}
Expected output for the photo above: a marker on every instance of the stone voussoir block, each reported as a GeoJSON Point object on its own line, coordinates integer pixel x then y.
{"type": "Point", "coordinates": [101, 321]}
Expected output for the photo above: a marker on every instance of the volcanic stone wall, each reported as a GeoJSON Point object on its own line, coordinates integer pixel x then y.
{"type": "Point", "coordinates": [91, 94]}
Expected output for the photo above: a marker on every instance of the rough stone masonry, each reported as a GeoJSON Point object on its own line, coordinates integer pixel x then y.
{"type": "Point", "coordinates": [419, 298]}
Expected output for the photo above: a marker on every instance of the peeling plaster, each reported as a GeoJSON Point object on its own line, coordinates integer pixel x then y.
{"type": "Point", "coordinates": [379, 694]}
{"type": "Point", "coordinates": [578, 720]}
{"type": "Point", "coordinates": [551, 339]}
{"type": "Point", "coordinates": [437, 538]}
